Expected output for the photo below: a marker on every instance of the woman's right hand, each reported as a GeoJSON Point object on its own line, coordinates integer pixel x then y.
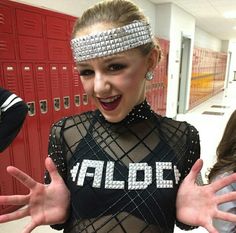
{"type": "Point", "coordinates": [45, 204]}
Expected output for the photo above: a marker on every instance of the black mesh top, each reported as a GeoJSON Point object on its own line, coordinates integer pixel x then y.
{"type": "Point", "coordinates": [123, 177]}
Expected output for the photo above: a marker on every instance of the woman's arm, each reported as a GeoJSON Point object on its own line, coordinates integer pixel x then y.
{"type": "Point", "coordinates": [13, 111]}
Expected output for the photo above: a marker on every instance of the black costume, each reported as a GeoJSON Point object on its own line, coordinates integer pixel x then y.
{"type": "Point", "coordinates": [123, 177]}
{"type": "Point", "coordinates": [13, 111]}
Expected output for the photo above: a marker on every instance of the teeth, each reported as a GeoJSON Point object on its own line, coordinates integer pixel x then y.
{"type": "Point", "coordinates": [109, 100]}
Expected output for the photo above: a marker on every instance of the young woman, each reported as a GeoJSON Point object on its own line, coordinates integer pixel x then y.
{"type": "Point", "coordinates": [224, 166]}
{"type": "Point", "coordinates": [122, 168]}
{"type": "Point", "coordinates": [13, 111]}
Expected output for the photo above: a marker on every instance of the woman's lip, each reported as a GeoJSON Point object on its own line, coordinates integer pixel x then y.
{"type": "Point", "coordinates": [111, 103]}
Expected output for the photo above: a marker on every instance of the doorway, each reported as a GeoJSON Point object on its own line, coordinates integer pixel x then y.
{"type": "Point", "coordinates": [183, 75]}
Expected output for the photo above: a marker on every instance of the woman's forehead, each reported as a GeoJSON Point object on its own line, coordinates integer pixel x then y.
{"type": "Point", "coordinates": [122, 56]}
{"type": "Point", "coordinates": [94, 28]}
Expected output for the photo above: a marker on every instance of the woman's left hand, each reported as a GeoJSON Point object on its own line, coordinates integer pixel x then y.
{"type": "Point", "coordinates": [197, 205]}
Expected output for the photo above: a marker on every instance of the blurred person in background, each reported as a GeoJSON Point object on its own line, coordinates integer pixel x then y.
{"type": "Point", "coordinates": [13, 111]}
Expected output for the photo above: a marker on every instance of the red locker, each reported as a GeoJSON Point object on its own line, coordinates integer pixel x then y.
{"type": "Point", "coordinates": [66, 88]}
{"type": "Point", "coordinates": [56, 27]}
{"type": "Point", "coordinates": [29, 23]}
{"type": "Point", "coordinates": [7, 46]}
{"type": "Point", "coordinates": [55, 92]}
{"type": "Point", "coordinates": [77, 90]}
{"type": "Point", "coordinates": [6, 181]}
{"type": "Point", "coordinates": [31, 48]}
{"type": "Point", "coordinates": [32, 122]}
{"type": "Point", "coordinates": [59, 50]}
{"type": "Point", "coordinates": [44, 106]}
{"type": "Point", "coordinates": [5, 19]}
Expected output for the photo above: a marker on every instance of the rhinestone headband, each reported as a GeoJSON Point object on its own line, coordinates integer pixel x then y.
{"type": "Point", "coordinates": [112, 41]}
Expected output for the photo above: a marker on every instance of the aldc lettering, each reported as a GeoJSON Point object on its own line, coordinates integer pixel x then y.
{"type": "Point", "coordinates": [79, 173]}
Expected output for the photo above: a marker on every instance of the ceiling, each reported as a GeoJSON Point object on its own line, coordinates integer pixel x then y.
{"type": "Point", "coordinates": [209, 15]}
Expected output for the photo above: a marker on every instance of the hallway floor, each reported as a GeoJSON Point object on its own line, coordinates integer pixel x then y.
{"type": "Point", "coordinates": [209, 118]}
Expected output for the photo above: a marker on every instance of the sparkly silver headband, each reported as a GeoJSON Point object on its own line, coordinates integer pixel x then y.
{"type": "Point", "coordinates": [111, 41]}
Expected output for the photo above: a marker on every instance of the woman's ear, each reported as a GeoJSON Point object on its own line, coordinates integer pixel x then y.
{"type": "Point", "coordinates": [153, 59]}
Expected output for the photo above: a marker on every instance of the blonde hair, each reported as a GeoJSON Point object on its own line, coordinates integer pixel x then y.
{"type": "Point", "coordinates": [117, 13]}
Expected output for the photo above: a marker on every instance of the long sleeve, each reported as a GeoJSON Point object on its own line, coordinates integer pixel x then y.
{"type": "Point", "coordinates": [13, 111]}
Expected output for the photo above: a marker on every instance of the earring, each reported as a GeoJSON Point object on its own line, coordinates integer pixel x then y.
{"type": "Point", "coordinates": [149, 75]}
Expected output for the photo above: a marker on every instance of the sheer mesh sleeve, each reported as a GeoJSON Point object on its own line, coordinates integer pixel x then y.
{"type": "Point", "coordinates": [56, 151]}
{"type": "Point", "coordinates": [191, 156]}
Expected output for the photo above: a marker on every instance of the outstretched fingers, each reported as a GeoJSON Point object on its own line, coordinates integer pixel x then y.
{"type": "Point", "coordinates": [226, 216]}
{"type": "Point", "coordinates": [221, 183]}
{"type": "Point", "coordinates": [18, 214]}
{"type": "Point", "coordinates": [29, 228]}
{"type": "Point", "coordinates": [14, 200]}
{"type": "Point", "coordinates": [227, 197]}
{"type": "Point", "coordinates": [22, 177]}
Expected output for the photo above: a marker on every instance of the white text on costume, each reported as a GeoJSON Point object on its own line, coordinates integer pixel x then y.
{"type": "Point", "coordinates": [98, 170]}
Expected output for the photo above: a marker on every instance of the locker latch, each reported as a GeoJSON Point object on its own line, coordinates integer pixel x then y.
{"type": "Point", "coordinates": [31, 108]}
{"type": "Point", "coordinates": [56, 104]}
{"type": "Point", "coordinates": [66, 102]}
{"type": "Point", "coordinates": [77, 100]}
{"type": "Point", "coordinates": [85, 99]}
{"type": "Point", "coordinates": [43, 106]}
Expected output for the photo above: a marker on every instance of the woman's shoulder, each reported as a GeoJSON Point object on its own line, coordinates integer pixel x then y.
{"type": "Point", "coordinates": [173, 125]}
{"type": "Point", "coordinates": [78, 121]}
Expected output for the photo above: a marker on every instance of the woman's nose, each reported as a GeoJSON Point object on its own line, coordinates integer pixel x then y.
{"type": "Point", "coordinates": [101, 84]}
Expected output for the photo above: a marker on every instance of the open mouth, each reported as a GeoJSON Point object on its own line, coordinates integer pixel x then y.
{"type": "Point", "coordinates": [110, 103]}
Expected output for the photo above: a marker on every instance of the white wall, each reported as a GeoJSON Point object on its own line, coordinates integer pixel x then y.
{"type": "Point", "coordinates": [206, 40]}
{"type": "Point", "coordinates": [180, 24]}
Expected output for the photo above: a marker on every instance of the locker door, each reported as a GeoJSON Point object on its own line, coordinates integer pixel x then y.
{"type": "Point", "coordinates": [29, 23]}
{"type": "Point", "coordinates": [18, 147]}
{"type": "Point", "coordinates": [6, 181]}
{"type": "Point", "coordinates": [32, 123]}
{"type": "Point", "coordinates": [59, 50]}
{"type": "Point", "coordinates": [77, 90]}
{"type": "Point", "coordinates": [31, 48]}
{"type": "Point", "coordinates": [55, 92]}
{"type": "Point", "coordinates": [56, 27]}
{"type": "Point", "coordinates": [5, 19]}
{"type": "Point", "coordinates": [7, 46]}
{"type": "Point", "coordinates": [66, 88]}
{"type": "Point", "coordinates": [45, 105]}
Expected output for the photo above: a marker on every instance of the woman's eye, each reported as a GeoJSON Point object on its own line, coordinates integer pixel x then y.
{"type": "Point", "coordinates": [116, 67]}
{"type": "Point", "coordinates": [86, 72]}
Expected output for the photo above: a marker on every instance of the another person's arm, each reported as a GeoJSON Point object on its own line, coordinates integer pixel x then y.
{"type": "Point", "coordinates": [13, 111]}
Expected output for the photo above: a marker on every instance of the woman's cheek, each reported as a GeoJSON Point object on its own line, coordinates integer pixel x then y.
{"type": "Point", "coordinates": [88, 86]}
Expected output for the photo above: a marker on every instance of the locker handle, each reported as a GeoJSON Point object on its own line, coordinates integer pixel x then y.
{"type": "Point", "coordinates": [56, 102]}
{"type": "Point", "coordinates": [66, 102]}
{"type": "Point", "coordinates": [43, 106]}
{"type": "Point", "coordinates": [77, 100]}
{"type": "Point", "coordinates": [85, 99]}
{"type": "Point", "coordinates": [31, 108]}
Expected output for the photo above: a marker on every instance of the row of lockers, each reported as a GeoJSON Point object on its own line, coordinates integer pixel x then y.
{"type": "Point", "coordinates": [36, 63]}
{"type": "Point", "coordinates": [30, 33]}
{"type": "Point", "coordinates": [208, 74]}
{"type": "Point", "coordinates": [156, 90]}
